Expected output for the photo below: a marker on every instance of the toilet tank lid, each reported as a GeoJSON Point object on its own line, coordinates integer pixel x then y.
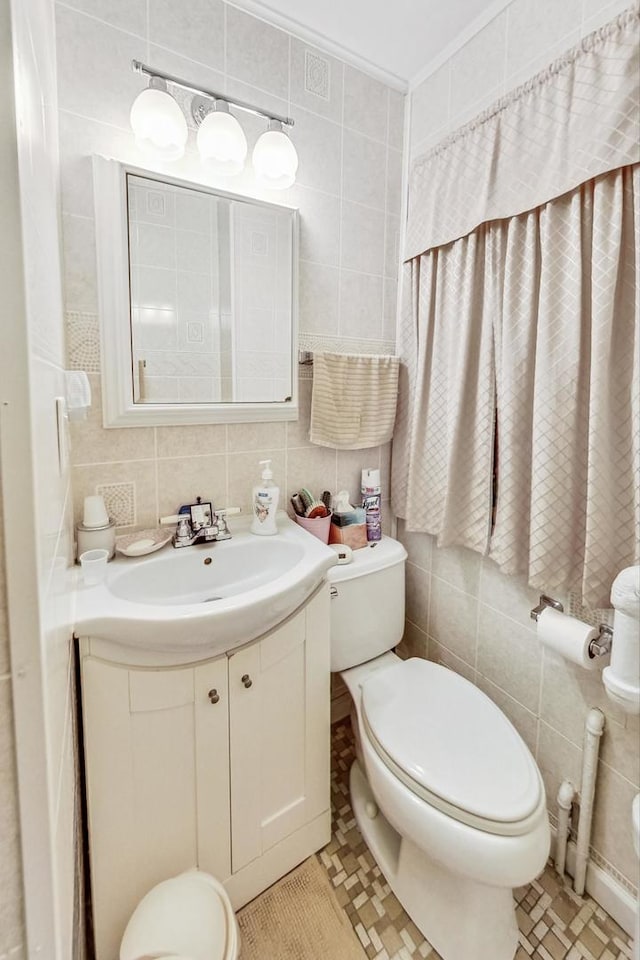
{"type": "Point", "coordinates": [376, 556]}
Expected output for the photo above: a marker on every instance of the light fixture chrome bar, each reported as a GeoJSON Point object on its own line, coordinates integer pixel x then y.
{"type": "Point", "coordinates": [138, 67]}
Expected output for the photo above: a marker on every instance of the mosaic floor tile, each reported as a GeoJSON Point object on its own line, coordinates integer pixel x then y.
{"type": "Point", "coordinates": [554, 923]}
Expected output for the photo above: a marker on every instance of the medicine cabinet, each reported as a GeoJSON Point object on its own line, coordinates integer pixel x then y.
{"type": "Point", "coordinates": [198, 301]}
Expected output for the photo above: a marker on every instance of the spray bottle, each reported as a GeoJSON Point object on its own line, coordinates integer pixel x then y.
{"type": "Point", "coordinates": [371, 501]}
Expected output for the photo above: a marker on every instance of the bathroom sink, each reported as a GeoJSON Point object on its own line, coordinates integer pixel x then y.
{"type": "Point", "coordinates": [206, 599]}
{"type": "Point", "coordinates": [201, 575]}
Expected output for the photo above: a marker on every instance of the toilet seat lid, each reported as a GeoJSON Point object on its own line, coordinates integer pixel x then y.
{"type": "Point", "coordinates": [185, 916]}
{"type": "Point", "coordinates": [452, 741]}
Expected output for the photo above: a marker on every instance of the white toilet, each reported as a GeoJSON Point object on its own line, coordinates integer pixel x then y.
{"type": "Point", "coordinates": [188, 917]}
{"type": "Point", "coordinates": [445, 791]}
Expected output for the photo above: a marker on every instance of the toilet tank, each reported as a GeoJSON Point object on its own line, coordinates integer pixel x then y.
{"type": "Point", "coordinates": [367, 604]}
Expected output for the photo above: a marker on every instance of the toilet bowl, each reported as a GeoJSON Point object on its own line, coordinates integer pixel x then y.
{"type": "Point", "coordinates": [445, 791]}
{"type": "Point", "coordinates": [188, 917]}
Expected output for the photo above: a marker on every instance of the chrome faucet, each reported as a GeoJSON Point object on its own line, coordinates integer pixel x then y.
{"type": "Point", "coordinates": [199, 523]}
{"type": "Point", "coordinates": [196, 524]}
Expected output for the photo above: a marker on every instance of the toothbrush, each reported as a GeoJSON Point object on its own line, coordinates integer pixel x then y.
{"type": "Point", "coordinates": [298, 505]}
{"type": "Point", "coordinates": [307, 497]}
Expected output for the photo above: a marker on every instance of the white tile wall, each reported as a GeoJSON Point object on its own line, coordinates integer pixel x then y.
{"type": "Point", "coordinates": [36, 115]}
{"type": "Point", "coordinates": [316, 80]}
{"type": "Point", "coordinates": [193, 28]}
{"type": "Point", "coordinates": [478, 68]}
{"type": "Point", "coordinates": [348, 134]}
{"type": "Point", "coordinates": [256, 52]}
{"type": "Point", "coordinates": [222, 463]}
{"type": "Point", "coordinates": [11, 907]}
{"type": "Point", "coordinates": [12, 932]}
{"type": "Point", "coordinates": [462, 612]}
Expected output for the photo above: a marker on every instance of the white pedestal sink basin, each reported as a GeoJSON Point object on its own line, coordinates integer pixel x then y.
{"type": "Point", "coordinates": [235, 566]}
{"type": "Point", "coordinates": [215, 596]}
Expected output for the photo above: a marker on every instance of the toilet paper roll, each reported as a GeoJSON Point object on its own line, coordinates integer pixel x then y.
{"type": "Point", "coordinates": [569, 637]}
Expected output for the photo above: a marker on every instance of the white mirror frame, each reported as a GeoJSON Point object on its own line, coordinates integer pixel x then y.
{"type": "Point", "coordinates": [112, 254]}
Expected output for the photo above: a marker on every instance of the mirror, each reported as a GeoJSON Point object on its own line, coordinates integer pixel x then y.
{"type": "Point", "coordinates": [198, 301]}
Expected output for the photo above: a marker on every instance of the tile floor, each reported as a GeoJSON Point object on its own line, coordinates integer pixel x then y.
{"type": "Point", "coordinates": [554, 923]}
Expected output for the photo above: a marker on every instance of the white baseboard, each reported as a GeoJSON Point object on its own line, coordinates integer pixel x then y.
{"type": "Point", "coordinates": [619, 903]}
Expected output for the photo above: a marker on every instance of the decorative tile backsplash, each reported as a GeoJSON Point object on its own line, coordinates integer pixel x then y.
{"type": "Point", "coordinates": [120, 501]}
{"type": "Point", "coordinates": [147, 472]}
{"type": "Point", "coordinates": [316, 74]}
{"type": "Point", "coordinates": [195, 331]}
{"type": "Point", "coordinates": [83, 341]}
{"type": "Point", "coordinates": [586, 614]}
{"type": "Point", "coordinates": [259, 244]}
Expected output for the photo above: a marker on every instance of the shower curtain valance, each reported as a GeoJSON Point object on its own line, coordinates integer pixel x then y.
{"type": "Point", "coordinates": [571, 123]}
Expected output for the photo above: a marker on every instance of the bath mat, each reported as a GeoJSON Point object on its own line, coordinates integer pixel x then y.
{"type": "Point", "coordinates": [299, 918]}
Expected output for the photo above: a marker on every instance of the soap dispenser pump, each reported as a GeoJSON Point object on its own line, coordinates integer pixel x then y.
{"type": "Point", "coordinates": [265, 503]}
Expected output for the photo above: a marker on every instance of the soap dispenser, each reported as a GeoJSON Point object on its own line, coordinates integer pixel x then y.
{"type": "Point", "coordinates": [265, 503]}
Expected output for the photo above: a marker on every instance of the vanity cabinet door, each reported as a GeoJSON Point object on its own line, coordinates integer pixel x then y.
{"type": "Point", "coordinates": [279, 732]}
{"type": "Point", "coordinates": [212, 768]}
{"type": "Point", "coordinates": [157, 782]}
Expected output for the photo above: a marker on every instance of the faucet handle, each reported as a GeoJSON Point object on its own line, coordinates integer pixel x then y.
{"type": "Point", "coordinates": [169, 521]}
{"type": "Point", "coordinates": [184, 533]}
{"type": "Point", "coordinates": [221, 519]}
{"type": "Point", "coordinates": [184, 526]}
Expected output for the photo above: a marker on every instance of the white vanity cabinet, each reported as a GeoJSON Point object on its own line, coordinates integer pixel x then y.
{"type": "Point", "coordinates": [221, 764]}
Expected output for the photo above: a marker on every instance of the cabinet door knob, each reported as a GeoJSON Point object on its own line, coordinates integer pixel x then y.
{"type": "Point", "coordinates": [246, 679]}
{"type": "Point", "coordinates": [214, 696]}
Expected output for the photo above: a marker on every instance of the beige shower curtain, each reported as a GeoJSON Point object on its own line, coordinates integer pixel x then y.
{"type": "Point", "coordinates": [536, 316]}
{"type": "Point", "coordinates": [568, 382]}
{"type": "Point", "coordinates": [450, 424]}
{"type": "Point", "coordinates": [519, 332]}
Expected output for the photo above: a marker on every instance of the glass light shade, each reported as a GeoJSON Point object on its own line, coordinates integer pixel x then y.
{"type": "Point", "coordinates": [222, 143]}
{"type": "Point", "coordinates": [159, 124]}
{"type": "Point", "coordinates": [275, 160]}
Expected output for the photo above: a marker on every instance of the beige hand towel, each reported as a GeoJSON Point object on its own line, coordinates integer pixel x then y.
{"type": "Point", "coordinates": [353, 404]}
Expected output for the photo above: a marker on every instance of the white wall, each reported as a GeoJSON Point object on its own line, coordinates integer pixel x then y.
{"type": "Point", "coordinates": [461, 610]}
{"type": "Point", "coordinates": [37, 494]}
{"type": "Point", "coordinates": [11, 905]}
{"type": "Point", "coordinates": [348, 133]}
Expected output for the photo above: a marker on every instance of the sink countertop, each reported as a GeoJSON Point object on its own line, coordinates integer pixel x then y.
{"type": "Point", "coordinates": [196, 625]}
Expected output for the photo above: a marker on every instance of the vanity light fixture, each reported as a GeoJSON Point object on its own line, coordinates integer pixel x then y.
{"type": "Point", "coordinates": [275, 160]}
{"type": "Point", "coordinates": [159, 124]}
{"type": "Point", "coordinates": [221, 141]}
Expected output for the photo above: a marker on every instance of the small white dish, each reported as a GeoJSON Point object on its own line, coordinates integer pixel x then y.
{"type": "Point", "coordinates": [142, 542]}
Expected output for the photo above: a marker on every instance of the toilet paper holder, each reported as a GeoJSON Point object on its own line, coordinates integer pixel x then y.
{"type": "Point", "coordinates": [600, 646]}
{"type": "Point", "coordinates": [546, 601]}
